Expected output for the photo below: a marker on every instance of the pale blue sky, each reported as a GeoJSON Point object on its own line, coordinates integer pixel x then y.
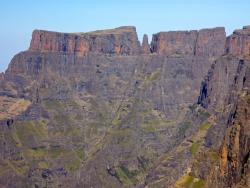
{"type": "Point", "coordinates": [18, 18]}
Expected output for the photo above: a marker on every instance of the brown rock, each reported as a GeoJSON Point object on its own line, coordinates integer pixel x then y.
{"type": "Point", "coordinates": [120, 41]}
{"type": "Point", "coordinates": [206, 42]}
{"type": "Point", "coordinates": [174, 42]}
{"type": "Point", "coordinates": [239, 42]}
{"type": "Point", "coordinates": [47, 41]}
{"type": "Point", "coordinates": [145, 45]}
{"type": "Point", "coordinates": [211, 42]}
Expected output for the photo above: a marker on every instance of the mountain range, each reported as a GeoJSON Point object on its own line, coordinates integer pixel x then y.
{"type": "Point", "coordinates": [102, 110]}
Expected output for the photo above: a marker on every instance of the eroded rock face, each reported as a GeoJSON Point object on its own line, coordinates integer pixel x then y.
{"type": "Point", "coordinates": [211, 42]}
{"type": "Point", "coordinates": [206, 42]}
{"type": "Point", "coordinates": [119, 41]}
{"type": "Point", "coordinates": [239, 42]}
{"type": "Point", "coordinates": [174, 42]}
{"type": "Point", "coordinates": [227, 96]}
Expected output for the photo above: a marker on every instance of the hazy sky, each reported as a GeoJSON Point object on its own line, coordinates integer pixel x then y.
{"type": "Point", "coordinates": [18, 18]}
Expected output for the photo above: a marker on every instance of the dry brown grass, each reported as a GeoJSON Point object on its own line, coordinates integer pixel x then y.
{"type": "Point", "coordinates": [11, 107]}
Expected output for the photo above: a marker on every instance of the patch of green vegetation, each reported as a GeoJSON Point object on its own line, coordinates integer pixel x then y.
{"type": "Point", "coordinates": [126, 142]}
{"type": "Point", "coordinates": [149, 128]}
{"type": "Point", "coordinates": [117, 120]}
{"type": "Point", "coordinates": [100, 109]}
{"type": "Point", "coordinates": [72, 131]}
{"type": "Point", "coordinates": [80, 153]}
{"type": "Point", "coordinates": [62, 118]}
{"type": "Point", "coordinates": [70, 103]}
{"type": "Point", "coordinates": [152, 125]}
{"type": "Point", "coordinates": [4, 167]}
{"type": "Point", "coordinates": [78, 117]}
{"type": "Point", "coordinates": [184, 127]}
{"type": "Point", "coordinates": [198, 184]}
{"type": "Point", "coordinates": [71, 158]}
{"type": "Point", "coordinates": [55, 151]}
{"type": "Point", "coordinates": [122, 176]}
{"type": "Point", "coordinates": [15, 138]}
{"type": "Point", "coordinates": [204, 113]}
{"type": "Point", "coordinates": [130, 173]}
{"type": "Point", "coordinates": [123, 137]}
{"type": "Point", "coordinates": [205, 126]}
{"type": "Point", "coordinates": [122, 111]}
{"type": "Point", "coordinates": [144, 162]}
{"type": "Point", "coordinates": [43, 165]}
{"type": "Point", "coordinates": [146, 111]}
{"type": "Point", "coordinates": [121, 132]}
{"type": "Point", "coordinates": [125, 176]}
{"type": "Point", "coordinates": [155, 75]}
{"type": "Point", "coordinates": [176, 55]}
{"type": "Point", "coordinates": [38, 153]}
{"type": "Point", "coordinates": [194, 148]}
{"type": "Point", "coordinates": [73, 165]}
{"type": "Point", "coordinates": [18, 166]}
{"type": "Point", "coordinates": [221, 109]}
{"type": "Point", "coordinates": [72, 162]}
{"type": "Point", "coordinates": [52, 104]}
{"type": "Point", "coordinates": [30, 132]}
{"type": "Point", "coordinates": [153, 122]}
{"type": "Point", "coordinates": [193, 107]}
{"type": "Point", "coordinates": [151, 77]}
{"type": "Point", "coordinates": [214, 155]}
{"type": "Point", "coordinates": [188, 181]}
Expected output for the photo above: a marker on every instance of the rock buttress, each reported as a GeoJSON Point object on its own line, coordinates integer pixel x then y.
{"type": "Point", "coordinates": [119, 41]}
{"type": "Point", "coordinates": [239, 42]}
{"type": "Point", "coordinates": [206, 42]}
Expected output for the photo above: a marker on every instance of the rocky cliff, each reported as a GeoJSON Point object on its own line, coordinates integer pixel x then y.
{"type": "Point", "coordinates": [99, 109]}
{"type": "Point", "coordinates": [239, 42]}
{"type": "Point", "coordinates": [119, 41]}
{"type": "Point", "coordinates": [206, 42]}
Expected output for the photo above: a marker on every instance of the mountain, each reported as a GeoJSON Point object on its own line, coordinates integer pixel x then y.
{"type": "Point", "coordinates": [98, 109]}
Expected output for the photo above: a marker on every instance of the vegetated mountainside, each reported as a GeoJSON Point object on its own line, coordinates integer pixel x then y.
{"type": "Point", "coordinates": [98, 109]}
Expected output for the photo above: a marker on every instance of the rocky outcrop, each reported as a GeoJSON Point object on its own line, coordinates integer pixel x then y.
{"type": "Point", "coordinates": [206, 42]}
{"type": "Point", "coordinates": [235, 152]}
{"type": "Point", "coordinates": [119, 41]}
{"type": "Point", "coordinates": [225, 93]}
{"type": "Point", "coordinates": [239, 42]}
{"type": "Point", "coordinates": [145, 45]}
{"type": "Point", "coordinates": [211, 42]}
{"type": "Point", "coordinates": [47, 41]}
{"type": "Point", "coordinates": [174, 42]}
{"type": "Point", "coordinates": [220, 81]}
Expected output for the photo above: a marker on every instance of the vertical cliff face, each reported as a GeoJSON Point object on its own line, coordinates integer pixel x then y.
{"type": "Point", "coordinates": [47, 41]}
{"type": "Point", "coordinates": [174, 42]}
{"type": "Point", "coordinates": [239, 42]}
{"type": "Point", "coordinates": [206, 42]}
{"type": "Point", "coordinates": [225, 93]}
{"type": "Point", "coordinates": [119, 41]}
{"type": "Point", "coordinates": [234, 161]}
{"type": "Point", "coordinates": [211, 42]}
